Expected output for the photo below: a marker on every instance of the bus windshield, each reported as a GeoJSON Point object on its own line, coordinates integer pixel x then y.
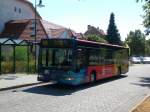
{"type": "Point", "coordinates": [56, 57]}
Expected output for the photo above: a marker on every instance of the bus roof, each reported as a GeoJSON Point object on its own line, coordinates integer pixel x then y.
{"type": "Point", "coordinates": [87, 43]}
{"type": "Point", "coordinates": [97, 44]}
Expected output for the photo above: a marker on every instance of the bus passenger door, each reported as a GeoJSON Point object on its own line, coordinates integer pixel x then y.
{"type": "Point", "coordinates": [81, 59]}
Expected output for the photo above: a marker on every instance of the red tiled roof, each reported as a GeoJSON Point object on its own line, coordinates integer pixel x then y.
{"type": "Point", "coordinates": [56, 33]}
{"type": "Point", "coordinates": [52, 30]}
{"type": "Point", "coordinates": [55, 30]}
{"type": "Point", "coordinates": [14, 28]}
{"type": "Point", "coordinates": [50, 25]}
{"type": "Point", "coordinates": [23, 29]}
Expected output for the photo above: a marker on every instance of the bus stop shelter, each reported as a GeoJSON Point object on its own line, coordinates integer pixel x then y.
{"type": "Point", "coordinates": [13, 43]}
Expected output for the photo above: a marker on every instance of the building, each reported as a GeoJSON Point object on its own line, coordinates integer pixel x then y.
{"type": "Point", "coordinates": [91, 30]}
{"type": "Point", "coordinates": [17, 20]}
{"type": "Point", "coordinates": [15, 10]}
{"type": "Point", "coordinates": [25, 29]}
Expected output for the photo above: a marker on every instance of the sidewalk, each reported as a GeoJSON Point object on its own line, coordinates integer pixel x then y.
{"type": "Point", "coordinates": [143, 106]}
{"type": "Point", "coordinates": [11, 81]}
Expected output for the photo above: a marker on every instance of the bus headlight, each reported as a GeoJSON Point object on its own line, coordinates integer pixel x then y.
{"type": "Point", "coordinates": [69, 78]}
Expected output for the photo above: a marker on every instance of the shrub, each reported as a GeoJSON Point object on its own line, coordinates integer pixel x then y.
{"type": "Point", "coordinates": [21, 53]}
{"type": "Point", "coordinates": [21, 66]}
{"type": "Point", "coordinates": [7, 67]}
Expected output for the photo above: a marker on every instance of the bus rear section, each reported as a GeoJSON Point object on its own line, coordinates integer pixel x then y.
{"type": "Point", "coordinates": [103, 62]}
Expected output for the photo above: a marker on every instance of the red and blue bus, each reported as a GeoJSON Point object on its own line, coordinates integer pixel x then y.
{"type": "Point", "coordinates": [75, 61]}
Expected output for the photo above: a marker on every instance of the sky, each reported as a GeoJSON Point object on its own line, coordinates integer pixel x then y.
{"type": "Point", "coordinates": [77, 14]}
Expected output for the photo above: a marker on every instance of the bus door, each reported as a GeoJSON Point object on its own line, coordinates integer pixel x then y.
{"type": "Point", "coordinates": [81, 62]}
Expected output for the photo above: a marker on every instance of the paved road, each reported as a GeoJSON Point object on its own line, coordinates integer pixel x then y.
{"type": "Point", "coordinates": [113, 95]}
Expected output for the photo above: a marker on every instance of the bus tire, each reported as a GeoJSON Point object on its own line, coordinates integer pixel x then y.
{"type": "Point", "coordinates": [93, 77]}
{"type": "Point", "coordinates": [119, 71]}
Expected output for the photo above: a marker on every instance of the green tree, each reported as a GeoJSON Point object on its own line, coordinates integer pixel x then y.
{"type": "Point", "coordinates": [113, 36]}
{"type": "Point", "coordinates": [146, 16]}
{"type": "Point", "coordinates": [136, 41]}
{"type": "Point", "coordinates": [147, 48]}
{"type": "Point", "coordinates": [96, 38]}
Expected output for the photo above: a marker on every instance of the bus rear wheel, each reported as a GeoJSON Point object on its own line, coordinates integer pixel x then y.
{"type": "Point", "coordinates": [93, 77]}
{"type": "Point", "coordinates": [119, 71]}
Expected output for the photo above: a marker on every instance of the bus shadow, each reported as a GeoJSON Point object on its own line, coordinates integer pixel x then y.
{"type": "Point", "coordinates": [62, 90]}
{"type": "Point", "coordinates": [144, 82]}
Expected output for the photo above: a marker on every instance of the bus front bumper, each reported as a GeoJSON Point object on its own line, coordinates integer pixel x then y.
{"type": "Point", "coordinates": [71, 81]}
{"type": "Point", "coordinates": [44, 78]}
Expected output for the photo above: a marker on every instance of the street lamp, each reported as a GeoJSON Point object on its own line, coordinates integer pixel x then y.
{"type": "Point", "coordinates": [35, 27]}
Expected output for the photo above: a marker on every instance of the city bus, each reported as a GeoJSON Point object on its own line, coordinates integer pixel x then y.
{"type": "Point", "coordinates": [76, 61]}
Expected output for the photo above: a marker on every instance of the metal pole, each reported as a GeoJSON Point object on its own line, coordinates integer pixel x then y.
{"type": "Point", "coordinates": [35, 33]}
{"type": "Point", "coordinates": [0, 60]}
{"type": "Point", "coordinates": [39, 5]}
{"type": "Point", "coordinates": [28, 58]}
{"type": "Point", "coordinates": [14, 59]}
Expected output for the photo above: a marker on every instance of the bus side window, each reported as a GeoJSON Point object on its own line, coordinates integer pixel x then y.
{"type": "Point", "coordinates": [81, 58]}
{"type": "Point", "coordinates": [93, 57]}
{"type": "Point", "coordinates": [102, 56]}
{"type": "Point", "coordinates": [50, 52]}
{"type": "Point", "coordinates": [108, 57]}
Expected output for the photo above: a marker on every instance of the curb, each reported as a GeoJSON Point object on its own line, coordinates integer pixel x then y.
{"type": "Point", "coordinates": [19, 86]}
{"type": "Point", "coordinates": [139, 103]}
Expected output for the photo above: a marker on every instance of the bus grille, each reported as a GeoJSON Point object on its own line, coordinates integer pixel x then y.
{"type": "Point", "coordinates": [55, 74]}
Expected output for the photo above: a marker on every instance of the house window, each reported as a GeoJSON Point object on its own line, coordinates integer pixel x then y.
{"type": "Point", "coordinates": [19, 10]}
{"type": "Point", "coordinates": [15, 9]}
